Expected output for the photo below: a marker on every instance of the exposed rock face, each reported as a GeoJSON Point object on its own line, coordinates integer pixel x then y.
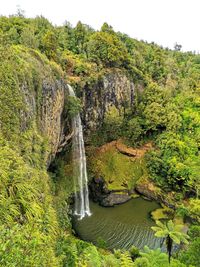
{"type": "Point", "coordinates": [98, 189]}
{"type": "Point", "coordinates": [52, 121]}
{"type": "Point", "coordinates": [46, 108]}
{"type": "Point", "coordinates": [114, 89]}
{"type": "Point", "coordinates": [46, 104]}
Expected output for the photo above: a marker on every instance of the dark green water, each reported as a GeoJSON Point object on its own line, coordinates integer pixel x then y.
{"type": "Point", "coordinates": [121, 226]}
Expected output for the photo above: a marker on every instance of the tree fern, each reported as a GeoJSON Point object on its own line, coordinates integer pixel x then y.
{"type": "Point", "coordinates": [171, 232]}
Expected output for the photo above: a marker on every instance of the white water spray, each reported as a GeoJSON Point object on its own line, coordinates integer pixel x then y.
{"type": "Point", "coordinates": [82, 207]}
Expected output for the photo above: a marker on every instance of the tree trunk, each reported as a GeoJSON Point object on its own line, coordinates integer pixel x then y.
{"type": "Point", "coordinates": [169, 247]}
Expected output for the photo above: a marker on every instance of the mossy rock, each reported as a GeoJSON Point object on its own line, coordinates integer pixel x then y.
{"type": "Point", "coordinates": [135, 195]}
{"type": "Point", "coordinates": [119, 171]}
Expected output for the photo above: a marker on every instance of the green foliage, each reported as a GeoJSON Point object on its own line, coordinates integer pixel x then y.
{"type": "Point", "coordinates": [49, 44]}
{"type": "Point", "coordinates": [112, 126]}
{"type": "Point", "coordinates": [133, 130]}
{"type": "Point", "coordinates": [155, 258]}
{"type": "Point", "coordinates": [162, 213]}
{"type": "Point", "coordinates": [126, 260]}
{"type": "Point", "coordinates": [75, 252]}
{"type": "Point", "coordinates": [29, 224]}
{"type": "Point", "coordinates": [172, 233]}
{"type": "Point", "coordinates": [28, 220]}
{"type": "Point", "coordinates": [106, 48]}
{"type": "Point", "coordinates": [118, 171]}
{"type": "Point", "coordinates": [134, 252]}
{"type": "Point", "coordinates": [190, 256]}
{"type": "Point", "coordinates": [194, 209]}
{"type": "Point", "coordinates": [166, 109]}
{"type": "Point", "coordinates": [171, 164]}
{"type": "Point", "coordinates": [171, 230]}
{"type": "Point", "coordinates": [28, 38]}
{"type": "Point", "coordinates": [101, 243]}
{"type": "Point", "coordinates": [73, 106]}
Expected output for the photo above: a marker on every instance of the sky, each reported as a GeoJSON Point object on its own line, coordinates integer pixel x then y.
{"type": "Point", "coordinates": [164, 22]}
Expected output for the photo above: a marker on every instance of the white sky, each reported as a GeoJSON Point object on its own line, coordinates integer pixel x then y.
{"type": "Point", "coordinates": [162, 21]}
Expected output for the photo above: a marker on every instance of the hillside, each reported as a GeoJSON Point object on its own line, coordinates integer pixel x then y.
{"type": "Point", "coordinates": [128, 90]}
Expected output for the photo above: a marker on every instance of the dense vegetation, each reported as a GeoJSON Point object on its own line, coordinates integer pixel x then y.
{"type": "Point", "coordinates": [35, 227]}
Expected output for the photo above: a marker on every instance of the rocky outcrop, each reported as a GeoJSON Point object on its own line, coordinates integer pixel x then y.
{"type": "Point", "coordinates": [98, 189]}
{"type": "Point", "coordinates": [126, 150]}
{"type": "Point", "coordinates": [46, 100]}
{"type": "Point", "coordinates": [105, 197]}
{"type": "Point", "coordinates": [113, 89]}
{"type": "Point", "coordinates": [150, 191]}
{"type": "Point", "coordinates": [133, 152]}
{"type": "Point", "coordinates": [114, 199]}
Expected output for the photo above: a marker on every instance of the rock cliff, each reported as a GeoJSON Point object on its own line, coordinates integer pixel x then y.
{"type": "Point", "coordinates": [35, 100]}
{"type": "Point", "coordinates": [113, 89]}
{"type": "Point", "coordinates": [50, 114]}
{"type": "Point", "coordinates": [44, 92]}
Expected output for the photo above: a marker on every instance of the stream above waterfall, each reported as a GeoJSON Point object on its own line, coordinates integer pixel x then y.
{"type": "Point", "coordinates": [121, 226]}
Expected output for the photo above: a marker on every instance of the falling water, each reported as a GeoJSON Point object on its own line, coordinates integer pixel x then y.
{"type": "Point", "coordinates": [82, 207]}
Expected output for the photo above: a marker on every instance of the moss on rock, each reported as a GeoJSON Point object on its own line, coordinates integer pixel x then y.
{"type": "Point", "coordinates": [118, 170]}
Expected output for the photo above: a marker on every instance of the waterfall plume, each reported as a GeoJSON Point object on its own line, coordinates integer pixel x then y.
{"type": "Point", "coordinates": [82, 207]}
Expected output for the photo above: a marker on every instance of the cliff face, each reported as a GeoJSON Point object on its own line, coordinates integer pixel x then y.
{"type": "Point", "coordinates": [114, 89]}
{"type": "Point", "coordinates": [51, 117]}
{"type": "Point", "coordinates": [42, 91]}
{"type": "Point", "coordinates": [46, 105]}
{"type": "Point", "coordinates": [32, 101]}
{"type": "Point", "coordinates": [47, 108]}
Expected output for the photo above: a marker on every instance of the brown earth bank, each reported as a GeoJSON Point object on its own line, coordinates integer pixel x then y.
{"type": "Point", "coordinates": [126, 150]}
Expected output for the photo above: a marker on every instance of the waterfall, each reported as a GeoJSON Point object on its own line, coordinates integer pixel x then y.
{"type": "Point", "coordinates": [82, 207]}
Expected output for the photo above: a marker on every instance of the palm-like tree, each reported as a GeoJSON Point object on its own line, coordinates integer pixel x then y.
{"type": "Point", "coordinates": [171, 233]}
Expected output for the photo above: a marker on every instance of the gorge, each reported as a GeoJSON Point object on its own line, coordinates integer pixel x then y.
{"type": "Point", "coordinates": [137, 105]}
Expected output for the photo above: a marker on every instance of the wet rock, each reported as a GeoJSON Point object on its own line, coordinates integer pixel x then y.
{"type": "Point", "coordinates": [114, 199]}
{"type": "Point", "coordinates": [152, 192]}
{"type": "Point", "coordinates": [106, 198]}
{"type": "Point", "coordinates": [98, 189]}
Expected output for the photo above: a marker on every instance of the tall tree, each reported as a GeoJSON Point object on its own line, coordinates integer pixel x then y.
{"type": "Point", "coordinates": [171, 233]}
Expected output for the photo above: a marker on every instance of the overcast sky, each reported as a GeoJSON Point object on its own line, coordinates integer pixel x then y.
{"type": "Point", "coordinates": [162, 21]}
